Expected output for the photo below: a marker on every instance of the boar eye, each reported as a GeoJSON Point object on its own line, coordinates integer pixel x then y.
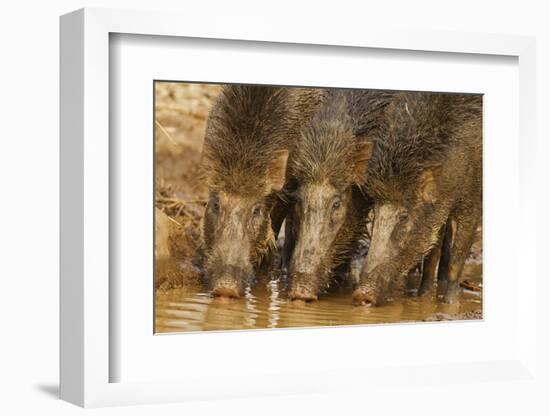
{"type": "Point", "coordinates": [294, 197]}
{"type": "Point", "coordinates": [257, 210]}
{"type": "Point", "coordinates": [215, 204]}
{"type": "Point", "coordinates": [404, 216]}
{"type": "Point", "coordinates": [336, 204]}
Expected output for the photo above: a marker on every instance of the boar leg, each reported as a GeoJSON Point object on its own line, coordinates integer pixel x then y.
{"type": "Point", "coordinates": [463, 240]}
{"type": "Point", "coordinates": [429, 266]}
{"type": "Point", "coordinates": [443, 269]}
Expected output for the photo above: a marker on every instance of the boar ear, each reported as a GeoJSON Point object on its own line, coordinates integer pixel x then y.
{"type": "Point", "coordinates": [361, 157]}
{"type": "Point", "coordinates": [428, 184]}
{"type": "Point", "coordinates": [276, 170]}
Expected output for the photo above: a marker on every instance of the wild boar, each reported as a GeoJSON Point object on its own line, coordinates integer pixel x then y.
{"type": "Point", "coordinates": [247, 139]}
{"type": "Point", "coordinates": [425, 172]}
{"type": "Point", "coordinates": [328, 211]}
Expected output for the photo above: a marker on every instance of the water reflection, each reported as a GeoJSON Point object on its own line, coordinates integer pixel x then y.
{"type": "Point", "coordinates": [274, 304]}
{"type": "Point", "coordinates": [265, 306]}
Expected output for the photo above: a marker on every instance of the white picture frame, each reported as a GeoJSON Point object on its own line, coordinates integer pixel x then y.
{"type": "Point", "coordinates": [86, 353]}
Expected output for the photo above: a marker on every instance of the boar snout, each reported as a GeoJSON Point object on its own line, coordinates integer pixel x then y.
{"type": "Point", "coordinates": [362, 296]}
{"type": "Point", "coordinates": [227, 287]}
{"type": "Point", "coordinates": [302, 289]}
{"type": "Point", "coordinates": [228, 281]}
{"type": "Point", "coordinates": [375, 282]}
{"type": "Point", "coordinates": [229, 292]}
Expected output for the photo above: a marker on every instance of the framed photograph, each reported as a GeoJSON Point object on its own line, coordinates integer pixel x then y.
{"type": "Point", "coordinates": [275, 212]}
{"type": "Point", "coordinates": [241, 245]}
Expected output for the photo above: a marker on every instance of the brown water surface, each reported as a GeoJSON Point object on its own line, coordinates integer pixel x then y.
{"type": "Point", "coordinates": [181, 310]}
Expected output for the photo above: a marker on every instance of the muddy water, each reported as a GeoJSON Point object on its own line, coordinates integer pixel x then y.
{"type": "Point", "coordinates": [180, 310]}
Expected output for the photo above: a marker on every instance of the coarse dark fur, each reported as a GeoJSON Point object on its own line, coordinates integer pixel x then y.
{"type": "Point", "coordinates": [246, 125]}
{"type": "Point", "coordinates": [249, 132]}
{"type": "Point", "coordinates": [418, 132]}
{"type": "Point", "coordinates": [327, 149]}
{"type": "Point", "coordinates": [329, 161]}
{"type": "Point", "coordinates": [426, 170]}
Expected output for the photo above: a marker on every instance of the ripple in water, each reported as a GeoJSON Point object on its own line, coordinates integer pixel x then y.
{"type": "Point", "coordinates": [178, 310]}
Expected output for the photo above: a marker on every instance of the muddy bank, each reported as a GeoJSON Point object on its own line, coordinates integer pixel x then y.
{"type": "Point", "coordinates": [181, 111]}
{"type": "Point", "coordinates": [441, 316]}
{"type": "Point", "coordinates": [175, 247]}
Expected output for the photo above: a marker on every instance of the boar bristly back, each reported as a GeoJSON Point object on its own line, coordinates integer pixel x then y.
{"type": "Point", "coordinates": [247, 126]}
{"type": "Point", "coordinates": [334, 143]}
{"type": "Point", "coordinates": [417, 132]}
